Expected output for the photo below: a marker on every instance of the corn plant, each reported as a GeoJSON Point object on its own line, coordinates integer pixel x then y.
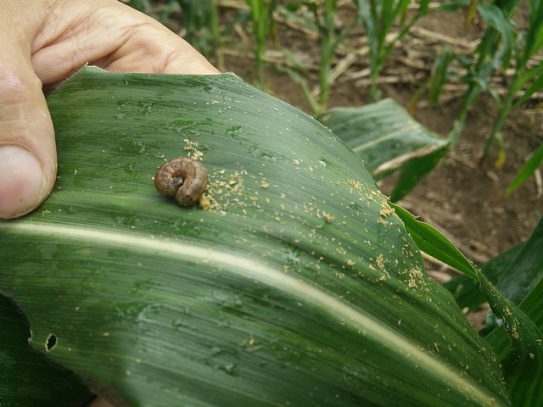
{"type": "Point", "coordinates": [517, 307]}
{"type": "Point", "coordinates": [439, 77]}
{"type": "Point", "coordinates": [328, 44]}
{"type": "Point", "coordinates": [532, 164]}
{"type": "Point", "coordinates": [322, 15]}
{"type": "Point", "coordinates": [297, 284]}
{"type": "Point", "coordinates": [263, 26]}
{"type": "Point", "coordinates": [201, 21]}
{"type": "Point", "coordinates": [383, 134]}
{"type": "Point", "coordinates": [379, 18]}
{"type": "Point", "coordinates": [526, 80]}
{"type": "Point", "coordinates": [494, 49]}
{"type": "Point", "coordinates": [500, 47]}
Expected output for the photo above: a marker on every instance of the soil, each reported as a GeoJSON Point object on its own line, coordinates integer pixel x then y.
{"type": "Point", "coordinates": [462, 198]}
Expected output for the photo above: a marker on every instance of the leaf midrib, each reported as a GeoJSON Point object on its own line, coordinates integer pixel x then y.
{"type": "Point", "coordinates": [250, 268]}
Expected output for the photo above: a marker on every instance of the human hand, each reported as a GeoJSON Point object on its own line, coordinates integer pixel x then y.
{"type": "Point", "coordinates": [42, 42]}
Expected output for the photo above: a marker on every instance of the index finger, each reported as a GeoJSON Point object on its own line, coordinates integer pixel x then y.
{"type": "Point", "coordinates": [113, 36]}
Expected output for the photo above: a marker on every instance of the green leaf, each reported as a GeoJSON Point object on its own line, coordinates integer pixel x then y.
{"type": "Point", "coordinates": [531, 306]}
{"type": "Point", "coordinates": [466, 291]}
{"type": "Point", "coordinates": [535, 74]}
{"type": "Point", "coordinates": [515, 272]}
{"type": "Point", "coordinates": [417, 168]}
{"type": "Point", "coordinates": [431, 241]}
{"type": "Point", "coordinates": [533, 163]}
{"type": "Point", "coordinates": [297, 286]}
{"type": "Point", "coordinates": [524, 364]}
{"type": "Point", "coordinates": [200, 20]}
{"type": "Point", "coordinates": [439, 74]}
{"type": "Point", "coordinates": [424, 6]}
{"type": "Point", "coordinates": [527, 269]}
{"type": "Point", "coordinates": [534, 40]}
{"type": "Point", "coordinates": [453, 5]}
{"type": "Point", "coordinates": [28, 378]}
{"type": "Point", "coordinates": [497, 19]}
{"type": "Point", "coordinates": [382, 133]}
{"type": "Point", "coordinates": [367, 15]}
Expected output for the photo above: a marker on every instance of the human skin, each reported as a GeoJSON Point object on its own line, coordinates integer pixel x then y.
{"type": "Point", "coordinates": [42, 42]}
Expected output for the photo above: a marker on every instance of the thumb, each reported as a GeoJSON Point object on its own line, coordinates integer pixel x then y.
{"type": "Point", "coordinates": [27, 146]}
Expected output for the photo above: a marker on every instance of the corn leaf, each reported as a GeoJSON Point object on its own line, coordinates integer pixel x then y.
{"type": "Point", "coordinates": [497, 19]}
{"type": "Point", "coordinates": [431, 241]}
{"type": "Point", "coordinates": [531, 166]}
{"type": "Point", "coordinates": [417, 168]}
{"type": "Point", "coordinates": [382, 133]}
{"type": "Point", "coordinates": [27, 377]}
{"type": "Point", "coordinates": [524, 363]}
{"type": "Point", "coordinates": [531, 305]}
{"type": "Point", "coordinates": [534, 79]}
{"type": "Point", "coordinates": [439, 74]}
{"type": "Point", "coordinates": [527, 270]}
{"type": "Point", "coordinates": [515, 272]}
{"type": "Point", "coordinates": [467, 293]}
{"type": "Point", "coordinates": [298, 285]}
{"type": "Point", "coordinates": [453, 5]}
{"type": "Point", "coordinates": [534, 40]}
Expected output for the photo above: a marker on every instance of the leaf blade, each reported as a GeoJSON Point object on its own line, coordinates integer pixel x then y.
{"type": "Point", "coordinates": [524, 364]}
{"type": "Point", "coordinates": [237, 303]}
{"type": "Point", "coordinates": [380, 133]}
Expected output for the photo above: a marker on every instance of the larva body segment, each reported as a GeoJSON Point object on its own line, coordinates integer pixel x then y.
{"type": "Point", "coordinates": [184, 178]}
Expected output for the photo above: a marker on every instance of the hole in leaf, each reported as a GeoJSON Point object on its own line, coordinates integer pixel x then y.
{"type": "Point", "coordinates": [51, 342]}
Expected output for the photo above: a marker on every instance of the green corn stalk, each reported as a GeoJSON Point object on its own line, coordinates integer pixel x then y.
{"type": "Point", "coordinates": [443, 60]}
{"type": "Point", "coordinates": [439, 76]}
{"type": "Point", "coordinates": [263, 26]}
{"type": "Point", "coordinates": [328, 44]}
{"type": "Point", "coordinates": [201, 20]}
{"type": "Point", "coordinates": [379, 18]}
{"type": "Point", "coordinates": [494, 49]}
{"type": "Point", "coordinates": [323, 13]}
{"type": "Point", "coordinates": [524, 76]}
{"type": "Point", "coordinates": [531, 166]}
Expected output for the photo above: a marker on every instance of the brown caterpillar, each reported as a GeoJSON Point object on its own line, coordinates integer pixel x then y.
{"type": "Point", "coordinates": [184, 178]}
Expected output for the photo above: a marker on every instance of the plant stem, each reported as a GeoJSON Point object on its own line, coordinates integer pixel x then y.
{"type": "Point", "coordinates": [505, 109]}
{"type": "Point", "coordinates": [469, 100]}
{"type": "Point", "coordinates": [328, 43]}
{"type": "Point", "coordinates": [483, 70]}
{"type": "Point", "coordinates": [378, 21]}
{"type": "Point", "coordinates": [215, 32]}
{"type": "Point", "coordinates": [259, 28]}
{"type": "Point", "coordinates": [374, 90]}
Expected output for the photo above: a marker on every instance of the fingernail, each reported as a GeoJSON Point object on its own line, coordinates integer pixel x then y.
{"type": "Point", "coordinates": [22, 181]}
